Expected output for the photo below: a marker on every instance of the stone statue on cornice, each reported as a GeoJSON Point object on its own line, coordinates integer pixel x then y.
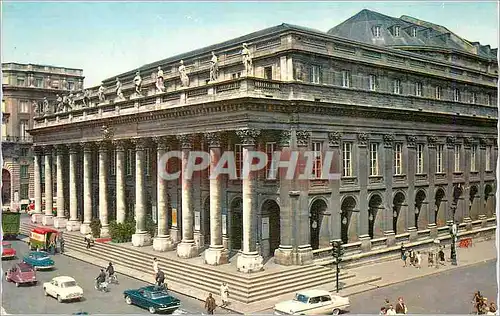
{"type": "Point", "coordinates": [183, 74]}
{"type": "Point", "coordinates": [138, 83]}
{"type": "Point", "coordinates": [119, 92]}
{"type": "Point", "coordinates": [247, 59]}
{"type": "Point", "coordinates": [160, 85]}
{"type": "Point", "coordinates": [36, 106]}
{"type": "Point", "coordinates": [45, 105]}
{"type": "Point", "coordinates": [86, 98]}
{"type": "Point", "coordinates": [59, 103]}
{"type": "Point", "coordinates": [214, 68]}
{"type": "Point", "coordinates": [100, 93]}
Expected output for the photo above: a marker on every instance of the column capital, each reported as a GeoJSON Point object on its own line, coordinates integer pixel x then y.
{"type": "Point", "coordinates": [411, 141]}
{"type": "Point", "coordinates": [431, 140]}
{"type": "Point", "coordinates": [87, 146]}
{"type": "Point", "coordinates": [389, 140]}
{"type": "Point", "coordinates": [185, 140]}
{"type": "Point", "coordinates": [106, 132]}
{"type": "Point", "coordinates": [73, 148]}
{"type": "Point", "coordinates": [140, 143]}
{"type": "Point", "coordinates": [48, 150]}
{"type": "Point", "coordinates": [334, 138]}
{"type": "Point", "coordinates": [450, 141]}
{"type": "Point", "coordinates": [469, 141]}
{"type": "Point", "coordinates": [248, 136]}
{"type": "Point", "coordinates": [483, 142]}
{"type": "Point", "coordinates": [38, 150]}
{"type": "Point", "coordinates": [285, 137]}
{"type": "Point", "coordinates": [103, 145]}
{"type": "Point", "coordinates": [362, 139]}
{"type": "Point", "coordinates": [302, 138]}
{"type": "Point", "coordinates": [61, 148]}
{"type": "Point", "coordinates": [213, 139]}
{"type": "Point", "coordinates": [161, 142]}
{"type": "Point", "coordinates": [119, 144]}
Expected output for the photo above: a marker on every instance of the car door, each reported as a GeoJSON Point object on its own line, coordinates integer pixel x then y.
{"type": "Point", "coordinates": [51, 288]}
{"type": "Point", "coordinates": [326, 304]}
{"type": "Point", "coordinates": [139, 298]}
{"type": "Point", "coordinates": [314, 307]}
{"type": "Point", "coordinates": [13, 275]}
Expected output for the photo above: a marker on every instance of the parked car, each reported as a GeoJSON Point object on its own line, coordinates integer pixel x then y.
{"type": "Point", "coordinates": [21, 273]}
{"type": "Point", "coordinates": [39, 260]}
{"type": "Point", "coordinates": [7, 251]}
{"type": "Point", "coordinates": [153, 299]}
{"type": "Point", "coordinates": [64, 288]}
{"type": "Point", "coordinates": [313, 302]}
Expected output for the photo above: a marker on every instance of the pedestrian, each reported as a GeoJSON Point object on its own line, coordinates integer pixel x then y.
{"type": "Point", "coordinates": [88, 239]}
{"type": "Point", "coordinates": [430, 259]}
{"type": "Point", "coordinates": [224, 294]}
{"type": "Point", "coordinates": [160, 279]}
{"type": "Point", "coordinates": [419, 260]}
{"type": "Point", "coordinates": [382, 310]}
{"type": "Point", "coordinates": [403, 254]}
{"type": "Point", "coordinates": [441, 256]}
{"type": "Point", "coordinates": [155, 265]}
{"type": "Point", "coordinates": [391, 310]}
{"type": "Point", "coordinates": [387, 304]}
{"type": "Point", "coordinates": [492, 309]}
{"type": "Point", "coordinates": [477, 300]}
{"type": "Point", "coordinates": [401, 307]}
{"type": "Point", "coordinates": [210, 304]}
{"type": "Point", "coordinates": [61, 240]}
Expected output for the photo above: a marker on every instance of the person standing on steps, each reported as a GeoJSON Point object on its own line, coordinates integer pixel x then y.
{"type": "Point", "coordinates": [155, 266]}
{"type": "Point", "coordinates": [224, 294]}
{"type": "Point", "coordinates": [210, 304]}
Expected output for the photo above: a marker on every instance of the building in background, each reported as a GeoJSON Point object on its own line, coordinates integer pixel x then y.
{"type": "Point", "coordinates": [24, 87]}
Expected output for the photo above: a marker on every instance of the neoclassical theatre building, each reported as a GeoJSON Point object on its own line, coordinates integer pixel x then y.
{"type": "Point", "coordinates": [408, 109]}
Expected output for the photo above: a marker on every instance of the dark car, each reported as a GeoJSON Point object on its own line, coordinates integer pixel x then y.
{"type": "Point", "coordinates": [152, 298]}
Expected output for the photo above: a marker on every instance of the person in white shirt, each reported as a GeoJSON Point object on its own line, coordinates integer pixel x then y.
{"type": "Point", "coordinates": [391, 311]}
{"type": "Point", "coordinates": [224, 294]}
{"type": "Point", "coordinates": [419, 259]}
{"type": "Point", "coordinates": [155, 266]}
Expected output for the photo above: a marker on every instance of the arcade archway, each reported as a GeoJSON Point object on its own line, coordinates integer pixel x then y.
{"type": "Point", "coordinates": [374, 205]}
{"type": "Point", "coordinates": [317, 212]}
{"type": "Point", "coordinates": [398, 221]}
{"type": "Point", "coordinates": [347, 208]}
{"type": "Point", "coordinates": [438, 205]}
{"type": "Point", "coordinates": [271, 209]}
{"type": "Point", "coordinates": [420, 220]}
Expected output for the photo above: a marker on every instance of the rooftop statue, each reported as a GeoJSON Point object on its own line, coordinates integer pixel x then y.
{"type": "Point", "coordinates": [214, 68]}
{"type": "Point", "coordinates": [160, 84]}
{"type": "Point", "coordinates": [119, 92]}
{"type": "Point", "coordinates": [46, 106]}
{"type": "Point", "coordinates": [247, 59]}
{"type": "Point", "coordinates": [86, 98]}
{"type": "Point", "coordinates": [138, 83]}
{"type": "Point", "coordinates": [100, 93]}
{"type": "Point", "coordinates": [59, 103]}
{"type": "Point", "coordinates": [36, 107]}
{"type": "Point", "coordinates": [184, 76]}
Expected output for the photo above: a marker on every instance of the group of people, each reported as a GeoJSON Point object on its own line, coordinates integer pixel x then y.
{"type": "Point", "coordinates": [390, 309]}
{"type": "Point", "coordinates": [414, 258]}
{"type": "Point", "coordinates": [106, 276]}
{"type": "Point", "coordinates": [481, 305]}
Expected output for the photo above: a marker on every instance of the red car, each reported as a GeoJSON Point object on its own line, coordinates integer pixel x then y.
{"type": "Point", "coordinates": [7, 251]}
{"type": "Point", "coordinates": [21, 273]}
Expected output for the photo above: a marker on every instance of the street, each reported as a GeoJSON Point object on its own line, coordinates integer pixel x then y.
{"type": "Point", "coordinates": [31, 299]}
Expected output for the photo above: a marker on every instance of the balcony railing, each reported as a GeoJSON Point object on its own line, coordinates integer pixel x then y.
{"type": "Point", "coordinates": [17, 139]}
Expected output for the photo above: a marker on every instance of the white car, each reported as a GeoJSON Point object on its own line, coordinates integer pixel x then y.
{"type": "Point", "coordinates": [64, 288]}
{"type": "Point", "coordinates": [313, 302]}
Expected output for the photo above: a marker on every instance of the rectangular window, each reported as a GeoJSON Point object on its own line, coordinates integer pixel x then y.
{"type": "Point", "coordinates": [238, 159]}
{"type": "Point", "coordinates": [420, 158]}
{"type": "Point", "coordinates": [456, 95]}
{"type": "Point", "coordinates": [473, 97]}
{"type": "Point", "coordinates": [24, 188]}
{"type": "Point", "coordinates": [438, 93]}
{"type": "Point", "coordinates": [398, 163]}
{"type": "Point", "coordinates": [397, 31]}
{"type": "Point", "coordinates": [112, 162]}
{"type": "Point", "coordinates": [397, 86]}
{"type": "Point", "coordinates": [318, 157]}
{"type": "Point", "coordinates": [457, 158]}
{"type": "Point", "coordinates": [488, 158]}
{"type": "Point", "coordinates": [473, 155]}
{"type": "Point", "coordinates": [414, 32]}
{"type": "Point", "coordinates": [236, 75]}
{"type": "Point", "coordinates": [346, 78]}
{"type": "Point", "coordinates": [373, 82]}
{"type": "Point", "coordinates": [20, 81]}
{"type": "Point", "coordinates": [5, 79]}
{"type": "Point", "coordinates": [315, 76]}
{"type": "Point", "coordinates": [270, 149]}
{"type": "Point", "coordinates": [347, 159]}
{"type": "Point", "coordinates": [25, 152]}
{"type": "Point", "coordinates": [39, 82]}
{"type": "Point", "coordinates": [23, 126]}
{"type": "Point", "coordinates": [418, 89]}
{"type": "Point", "coordinates": [71, 85]}
{"type": "Point", "coordinates": [130, 161]}
{"type": "Point", "coordinates": [374, 159]}
{"type": "Point", "coordinates": [147, 157]}
{"type": "Point", "coordinates": [24, 106]}
{"type": "Point", "coordinates": [24, 171]}
{"type": "Point", "coordinates": [439, 158]}
{"type": "Point", "coordinates": [376, 31]}
{"type": "Point", "coordinates": [268, 73]}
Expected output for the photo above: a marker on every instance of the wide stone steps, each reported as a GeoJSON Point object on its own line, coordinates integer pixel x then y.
{"type": "Point", "coordinates": [245, 288]}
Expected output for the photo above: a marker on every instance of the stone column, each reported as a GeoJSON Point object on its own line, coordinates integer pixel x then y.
{"type": "Point", "coordinates": [48, 218]}
{"type": "Point", "coordinates": [431, 171]}
{"type": "Point", "coordinates": [450, 160]}
{"type": "Point", "coordinates": [480, 210]}
{"type": "Point", "coordinates": [87, 187]}
{"type": "Point", "coordinates": [284, 255]}
{"type": "Point", "coordinates": [216, 254]}
{"type": "Point", "coordinates": [120, 181]}
{"type": "Point", "coordinates": [465, 198]}
{"type": "Point", "coordinates": [37, 215]}
{"type": "Point", "coordinates": [363, 172]}
{"type": "Point", "coordinates": [73, 224]}
{"type": "Point", "coordinates": [141, 237]}
{"type": "Point", "coordinates": [103, 187]}
{"type": "Point", "coordinates": [60, 220]}
{"type": "Point", "coordinates": [388, 170]}
{"type": "Point", "coordinates": [187, 247]}
{"type": "Point", "coordinates": [162, 242]}
{"type": "Point", "coordinates": [334, 139]}
{"type": "Point", "coordinates": [249, 260]}
{"type": "Point", "coordinates": [410, 176]}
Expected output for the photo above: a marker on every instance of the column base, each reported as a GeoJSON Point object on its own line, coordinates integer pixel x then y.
{"type": "Point", "coordinates": [284, 256]}
{"type": "Point", "coordinates": [432, 230]}
{"type": "Point", "coordinates": [366, 242]}
{"type": "Point", "coordinates": [175, 234]}
{"type": "Point", "coordinates": [105, 232]}
{"type": "Point", "coordinates": [304, 255]}
{"type": "Point", "coordinates": [413, 233]}
{"type": "Point", "coordinates": [85, 228]}
{"type": "Point", "coordinates": [73, 225]}
{"type": "Point", "coordinates": [226, 242]}
{"type": "Point", "coordinates": [48, 220]}
{"type": "Point", "coordinates": [60, 222]}
{"type": "Point", "coordinates": [468, 223]}
{"type": "Point", "coordinates": [391, 238]}
{"type": "Point", "coordinates": [163, 243]}
{"type": "Point", "coordinates": [483, 219]}
{"type": "Point", "coordinates": [199, 240]}
{"type": "Point", "coordinates": [250, 262]}
{"type": "Point", "coordinates": [187, 249]}
{"type": "Point", "coordinates": [36, 218]}
{"type": "Point", "coordinates": [216, 256]}
{"type": "Point", "coordinates": [141, 239]}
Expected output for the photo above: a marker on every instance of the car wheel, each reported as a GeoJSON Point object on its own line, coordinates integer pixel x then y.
{"type": "Point", "coordinates": [59, 299]}
{"type": "Point", "coordinates": [6, 278]}
{"type": "Point", "coordinates": [34, 282]}
{"type": "Point", "coordinates": [45, 292]}
{"type": "Point", "coordinates": [152, 310]}
{"type": "Point", "coordinates": [128, 300]}
{"type": "Point", "coordinates": [336, 312]}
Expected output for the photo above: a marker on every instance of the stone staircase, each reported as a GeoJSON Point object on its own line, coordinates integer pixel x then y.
{"type": "Point", "coordinates": [244, 288]}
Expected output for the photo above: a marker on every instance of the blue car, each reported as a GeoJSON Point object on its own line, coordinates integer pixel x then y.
{"type": "Point", "coordinates": [152, 298]}
{"type": "Point", "coordinates": [39, 260]}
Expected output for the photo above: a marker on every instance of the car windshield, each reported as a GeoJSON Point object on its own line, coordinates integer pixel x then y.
{"type": "Point", "coordinates": [158, 295]}
{"type": "Point", "coordinates": [25, 269]}
{"type": "Point", "coordinates": [41, 256]}
{"type": "Point", "coordinates": [68, 284]}
{"type": "Point", "coordinates": [301, 298]}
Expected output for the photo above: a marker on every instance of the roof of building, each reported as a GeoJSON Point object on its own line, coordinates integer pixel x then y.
{"type": "Point", "coordinates": [360, 28]}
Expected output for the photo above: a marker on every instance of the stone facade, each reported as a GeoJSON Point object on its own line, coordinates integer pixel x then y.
{"type": "Point", "coordinates": [405, 158]}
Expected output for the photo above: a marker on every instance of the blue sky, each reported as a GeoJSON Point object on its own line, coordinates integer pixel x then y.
{"type": "Point", "coordinates": [107, 38]}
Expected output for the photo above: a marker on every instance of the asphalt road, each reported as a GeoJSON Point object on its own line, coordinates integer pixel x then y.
{"type": "Point", "coordinates": [449, 292]}
{"type": "Point", "coordinates": [31, 299]}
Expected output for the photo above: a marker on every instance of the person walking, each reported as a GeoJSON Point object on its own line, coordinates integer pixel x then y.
{"type": "Point", "coordinates": [224, 294]}
{"type": "Point", "coordinates": [155, 266]}
{"type": "Point", "coordinates": [430, 259]}
{"type": "Point", "coordinates": [61, 241]}
{"type": "Point", "coordinates": [391, 310]}
{"type": "Point", "coordinates": [418, 260]}
{"type": "Point", "coordinates": [403, 254]}
{"type": "Point", "coordinates": [160, 279]}
{"type": "Point", "coordinates": [401, 306]}
{"type": "Point", "coordinates": [210, 304]}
